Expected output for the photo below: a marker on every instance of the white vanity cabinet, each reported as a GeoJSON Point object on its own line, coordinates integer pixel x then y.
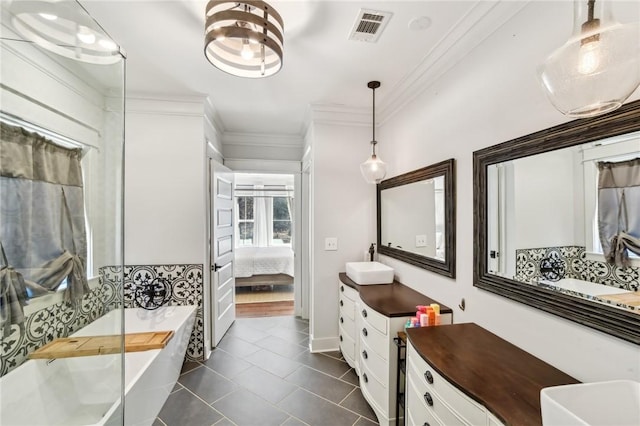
{"type": "Point", "coordinates": [348, 301]}
{"type": "Point", "coordinates": [432, 400]}
{"type": "Point", "coordinates": [378, 361]}
{"type": "Point", "coordinates": [370, 316]}
{"type": "Point", "coordinates": [462, 374]}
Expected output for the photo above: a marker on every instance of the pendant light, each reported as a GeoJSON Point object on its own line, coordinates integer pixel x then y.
{"type": "Point", "coordinates": [244, 39]}
{"type": "Point", "coordinates": [598, 68]}
{"type": "Point", "coordinates": [374, 168]}
{"type": "Point", "coordinates": [65, 28]}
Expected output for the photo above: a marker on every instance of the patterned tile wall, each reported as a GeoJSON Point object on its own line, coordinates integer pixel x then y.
{"type": "Point", "coordinates": [52, 322]}
{"type": "Point", "coordinates": [576, 266]}
{"type": "Point", "coordinates": [63, 319]}
{"type": "Point", "coordinates": [186, 289]}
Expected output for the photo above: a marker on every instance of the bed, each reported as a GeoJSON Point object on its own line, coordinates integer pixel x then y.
{"type": "Point", "coordinates": [256, 266]}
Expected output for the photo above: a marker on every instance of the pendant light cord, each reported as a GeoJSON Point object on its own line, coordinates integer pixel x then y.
{"type": "Point", "coordinates": [373, 141]}
{"type": "Point", "coordinates": [591, 6]}
{"type": "Point", "coordinates": [373, 85]}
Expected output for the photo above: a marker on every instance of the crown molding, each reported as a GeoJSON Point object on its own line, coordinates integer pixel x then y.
{"type": "Point", "coordinates": [181, 105]}
{"type": "Point", "coordinates": [481, 21]}
{"type": "Point", "coordinates": [263, 140]}
{"type": "Point", "coordinates": [337, 115]}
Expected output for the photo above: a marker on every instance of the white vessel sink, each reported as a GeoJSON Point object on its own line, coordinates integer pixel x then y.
{"type": "Point", "coordinates": [614, 403]}
{"type": "Point", "coordinates": [365, 273]}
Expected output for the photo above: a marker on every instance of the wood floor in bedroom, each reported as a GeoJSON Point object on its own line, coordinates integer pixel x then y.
{"type": "Point", "coordinates": [264, 309]}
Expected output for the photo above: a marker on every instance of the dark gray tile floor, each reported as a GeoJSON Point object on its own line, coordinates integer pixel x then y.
{"type": "Point", "coordinates": [262, 373]}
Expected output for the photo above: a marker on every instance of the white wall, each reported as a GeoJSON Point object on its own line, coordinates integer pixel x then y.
{"type": "Point", "coordinates": [343, 207]}
{"type": "Point", "coordinates": [165, 181]}
{"type": "Point", "coordinates": [492, 96]}
{"type": "Point", "coordinates": [544, 201]}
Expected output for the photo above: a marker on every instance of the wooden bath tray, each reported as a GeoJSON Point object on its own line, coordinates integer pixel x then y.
{"type": "Point", "coordinates": [630, 299]}
{"type": "Point", "coordinates": [69, 347]}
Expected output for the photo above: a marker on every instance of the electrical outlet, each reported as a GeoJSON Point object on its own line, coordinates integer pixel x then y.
{"type": "Point", "coordinates": [331, 243]}
{"type": "Point", "coordinates": [421, 240]}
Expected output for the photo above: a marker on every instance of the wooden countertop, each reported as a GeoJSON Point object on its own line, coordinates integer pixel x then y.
{"type": "Point", "coordinates": [502, 377]}
{"type": "Point", "coordinates": [391, 300]}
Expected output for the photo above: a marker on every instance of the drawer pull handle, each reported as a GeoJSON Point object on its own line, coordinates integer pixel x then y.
{"type": "Point", "coordinates": [341, 320]}
{"type": "Point", "coordinates": [341, 288]}
{"type": "Point", "coordinates": [426, 424]}
{"type": "Point", "coordinates": [365, 378]}
{"type": "Point", "coordinates": [365, 332]}
{"type": "Point", "coordinates": [428, 399]}
{"type": "Point", "coordinates": [341, 303]}
{"type": "Point", "coordinates": [428, 376]}
{"type": "Point", "coordinates": [364, 313]}
{"type": "Point", "coordinates": [365, 355]}
{"type": "Point", "coordinates": [341, 337]}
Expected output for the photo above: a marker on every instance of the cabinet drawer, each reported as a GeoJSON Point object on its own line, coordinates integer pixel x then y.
{"type": "Point", "coordinates": [417, 411]}
{"type": "Point", "coordinates": [347, 346]}
{"type": "Point", "coordinates": [347, 324]}
{"type": "Point", "coordinates": [417, 420]}
{"type": "Point", "coordinates": [347, 307]}
{"type": "Point", "coordinates": [430, 381]}
{"type": "Point", "coordinates": [376, 320]}
{"type": "Point", "coordinates": [378, 366]}
{"type": "Point", "coordinates": [377, 393]}
{"type": "Point", "coordinates": [374, 339]}
{"type": "Point", "coordinates": [348, 292]}
{"type": "Point", "coordinates": [428, 405]}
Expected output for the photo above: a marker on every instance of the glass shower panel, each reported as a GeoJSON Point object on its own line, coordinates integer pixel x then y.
{"type": "Point", "coordinates": [61, 92]}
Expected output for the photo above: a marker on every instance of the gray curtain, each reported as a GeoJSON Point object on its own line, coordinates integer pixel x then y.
{"type": "Point", "coordinates": [619, 210]}
{"type": "Point", "coordinates": [42, 220]}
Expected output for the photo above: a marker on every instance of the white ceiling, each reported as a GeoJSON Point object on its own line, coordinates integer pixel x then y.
{"type": "Point", "coordinates": [323, 70]}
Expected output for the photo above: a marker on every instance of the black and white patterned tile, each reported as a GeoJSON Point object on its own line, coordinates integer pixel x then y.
{"type": "Point", "coordinates": [576, 266]}
{"type": "Point", "coordinates": [186, 284]}
{"type": "Point", "coordinates": [52, 322]}
{"type": "Point", "coordinates": [116, 288]}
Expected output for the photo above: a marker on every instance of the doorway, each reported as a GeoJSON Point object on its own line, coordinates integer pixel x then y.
{"type": "Point", "coordinates": [265, 254]}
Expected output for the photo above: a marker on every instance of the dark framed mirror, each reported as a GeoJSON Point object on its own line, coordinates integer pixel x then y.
{"type": "Point", "coordinates": [536, 235]}
{"type": "Point", "coordinates": [417, 217]}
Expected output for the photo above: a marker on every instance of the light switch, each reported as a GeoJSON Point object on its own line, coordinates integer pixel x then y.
{"type": "Point", "coordinates": [331, 244]}
{"type": "Point", "coordinates": [421, 240]}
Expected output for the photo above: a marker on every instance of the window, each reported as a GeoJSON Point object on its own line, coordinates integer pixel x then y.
{"type": "Point", "coordinates": [615, 149]}
{"type": "Point", "coordinates": [245, 221]}
{"type": "Point", "coordinates": [263, 215]}
{"type": "Point", "coordinates": [281, 221]}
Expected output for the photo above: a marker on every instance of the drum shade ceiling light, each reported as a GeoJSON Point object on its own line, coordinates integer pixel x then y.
{"type": "Point", "coordinates": [598, 68]}
{"type": "Point", "coordinates": [244, 39]}
{"type": "Point", "coordinates": [374, 169]}
{"type": "Point", "coordinates": [65, 28]}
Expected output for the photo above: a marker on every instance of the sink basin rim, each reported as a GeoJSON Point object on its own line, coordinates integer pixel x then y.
{"type": "Point", "coordinates": [583, 403]}
{"type": "Point", "coordinates": [369, 273]}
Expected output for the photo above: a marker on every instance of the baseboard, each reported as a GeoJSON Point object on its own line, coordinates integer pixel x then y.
{"type": "Point", "coordinates": [325, 344]}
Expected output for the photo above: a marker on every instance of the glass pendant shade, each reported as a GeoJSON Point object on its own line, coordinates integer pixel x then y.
{"type": "Point", "coordinates": [373, 170]}
{"type": "Point", "coordinates": [598, 68]}
{"type": "Point", "coordinates": [244, 39]}
{"type": "Point", "coordinates": [65, 28]}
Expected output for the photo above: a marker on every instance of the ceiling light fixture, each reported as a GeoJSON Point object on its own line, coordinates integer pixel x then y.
{"type": "Point", "coordinates": [374, 169]}
{"type": "Point", "coordinates": [244, 39]}
{"type": "Point", "coordinates": [64, 27]}
{"type": "Point", "coordinates": [598, 68]}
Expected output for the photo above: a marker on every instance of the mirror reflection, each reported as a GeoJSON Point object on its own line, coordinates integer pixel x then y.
{"type": "Point", "coordinates": [537, 220]}
{"type": "Point", "coordinates": [419, 229]}
{"type": "Point", "coordinates": [549, 217]}
{"type": "Point", "coordinates": [416, 217]}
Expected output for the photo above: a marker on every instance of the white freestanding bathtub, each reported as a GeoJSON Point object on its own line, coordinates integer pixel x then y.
{"type": "Point", "coordinates": [87, 390]}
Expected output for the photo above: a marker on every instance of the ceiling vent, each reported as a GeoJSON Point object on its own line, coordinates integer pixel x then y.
{"type": "Point", "coordinates": [369, 25]}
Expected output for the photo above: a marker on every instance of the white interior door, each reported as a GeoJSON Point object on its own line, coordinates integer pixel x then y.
{"type": "Point", "coordinates": [223, 306]}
